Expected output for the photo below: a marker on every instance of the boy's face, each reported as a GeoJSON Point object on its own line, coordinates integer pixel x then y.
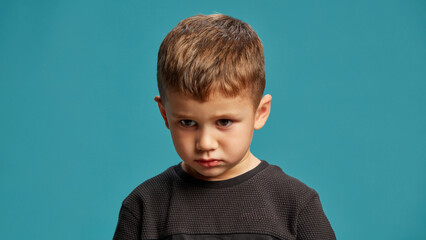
{"type": "Point", "coordinates": [213, 137]}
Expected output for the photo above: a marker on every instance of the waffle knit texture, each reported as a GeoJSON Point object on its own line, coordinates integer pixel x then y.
{"type": "Point", "coordinates": [264, 203]}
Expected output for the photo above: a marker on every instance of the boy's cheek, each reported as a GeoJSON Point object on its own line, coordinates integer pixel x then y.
{"type": "Point", "coordinates": [181, 139]}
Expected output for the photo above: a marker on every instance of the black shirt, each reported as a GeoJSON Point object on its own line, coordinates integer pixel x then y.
{"type": "Point", "coordinates": [264, 203]}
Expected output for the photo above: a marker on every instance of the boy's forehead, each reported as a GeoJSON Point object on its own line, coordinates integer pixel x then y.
{"type": "Point", "coordinates": [214, 96]}
{"type": "Point", "coordinates": [215, 101]}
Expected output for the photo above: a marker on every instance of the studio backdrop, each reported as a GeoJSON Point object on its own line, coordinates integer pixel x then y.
{"type": "Point", "coordinates": [79, 128]}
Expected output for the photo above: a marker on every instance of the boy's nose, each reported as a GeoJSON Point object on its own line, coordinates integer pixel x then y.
{"type": "Point", "coordinates": [206, 141]}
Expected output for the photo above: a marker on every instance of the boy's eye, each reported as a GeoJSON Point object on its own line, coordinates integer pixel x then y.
{"type": "Point", "coordinates": [224, 122]}
{"type": "Point", "coordinates": [187, 123]}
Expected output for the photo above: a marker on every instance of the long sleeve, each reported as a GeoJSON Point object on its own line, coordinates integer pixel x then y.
{"type": "Point", "coordinates": [128, 226]}
{"type": "Point", "coordinates": [312, 222]}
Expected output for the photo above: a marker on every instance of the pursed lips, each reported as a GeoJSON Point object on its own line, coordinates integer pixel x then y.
{"type": "Point", "coordinates": [211, 162]}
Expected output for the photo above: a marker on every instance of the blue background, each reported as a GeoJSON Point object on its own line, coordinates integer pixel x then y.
{"type": "Point", "coordinates": [79, 128]}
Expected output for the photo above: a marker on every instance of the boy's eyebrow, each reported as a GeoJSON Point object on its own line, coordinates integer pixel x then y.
{"type": "Point", "coordinates": [178, 115]}
{"type": "Point", "coordinates": [223, 115]}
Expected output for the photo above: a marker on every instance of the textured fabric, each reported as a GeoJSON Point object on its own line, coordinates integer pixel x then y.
{"type": "Point", "coordinates": [263, 203]}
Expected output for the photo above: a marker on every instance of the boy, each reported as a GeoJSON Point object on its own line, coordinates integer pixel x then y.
{"type": "Point", "coordinates": [211, 80]}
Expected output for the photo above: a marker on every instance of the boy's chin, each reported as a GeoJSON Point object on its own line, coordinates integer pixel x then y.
{"type": "Point", "coordinates": [215, 173]}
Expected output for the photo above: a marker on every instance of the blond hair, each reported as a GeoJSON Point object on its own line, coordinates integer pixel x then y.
{"type": "Point", "coordinates": [211, 52]}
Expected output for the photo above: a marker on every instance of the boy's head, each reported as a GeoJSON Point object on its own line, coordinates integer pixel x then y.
{"type": "Point", "coordinates": [207, 53]}
{"type": "Point", "coordinates": [211, 79]}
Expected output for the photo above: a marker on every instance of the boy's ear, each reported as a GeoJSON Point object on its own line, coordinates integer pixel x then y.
{"type": "Point", "coordinates": [262, 112]}
{"type": "Point", "coordinates": [162, 110]}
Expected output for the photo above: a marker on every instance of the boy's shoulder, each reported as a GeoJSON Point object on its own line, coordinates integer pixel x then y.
{"type": "Point", "coordinates": [275, 180]}
{"type": "Point", "coordinates": [153, 187]}
{"type": "Point", "coordinates": [276, 175]}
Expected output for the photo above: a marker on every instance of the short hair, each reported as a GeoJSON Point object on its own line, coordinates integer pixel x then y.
{"type": "Point", "coordinates": [206, 53]}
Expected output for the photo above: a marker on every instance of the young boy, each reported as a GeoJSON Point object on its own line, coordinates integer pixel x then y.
{"type": "Point", "coordinates": [211, 80]}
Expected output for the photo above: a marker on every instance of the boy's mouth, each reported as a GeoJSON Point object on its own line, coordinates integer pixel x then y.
{"type": "Point", "coordinates": [208, 162]}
